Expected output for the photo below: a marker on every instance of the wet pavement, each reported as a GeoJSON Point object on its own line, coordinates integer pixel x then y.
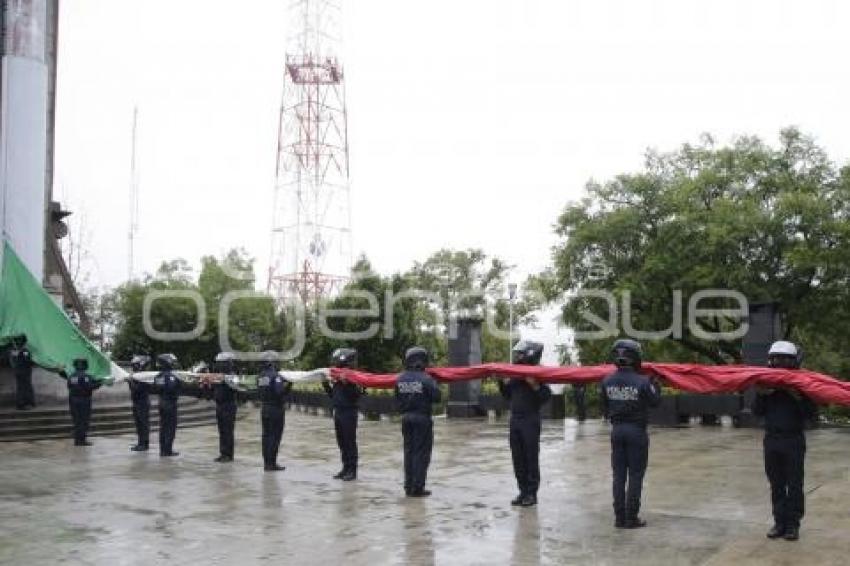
{"type": "Point", "coordinates": [705, 498]}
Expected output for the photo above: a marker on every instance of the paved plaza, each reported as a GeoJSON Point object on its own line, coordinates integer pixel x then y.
{"type": "Point", "coordinates": [705, 498]}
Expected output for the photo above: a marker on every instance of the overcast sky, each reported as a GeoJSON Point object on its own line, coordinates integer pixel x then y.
{"type": "Point", "coordinates": [471, 123]}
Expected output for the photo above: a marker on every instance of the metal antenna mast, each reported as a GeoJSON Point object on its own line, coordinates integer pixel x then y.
{"type": "Point", "coordinates": [311, 227]}
{"type": "Point", "coordinates": [134, 199]}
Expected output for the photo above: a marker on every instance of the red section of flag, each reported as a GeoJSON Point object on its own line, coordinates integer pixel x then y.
{"type": "Point", "coordinates": [687, 377]}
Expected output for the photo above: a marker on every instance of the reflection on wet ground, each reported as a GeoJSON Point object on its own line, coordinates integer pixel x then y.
{"type": "Point", "coordinates": [705, 498]}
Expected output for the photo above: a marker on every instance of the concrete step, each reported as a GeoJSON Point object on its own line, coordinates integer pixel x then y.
{"type": "Point", "coordinates": [110, 417]}
{"type": "Point", "coordinates": [7, 415]}
{"type": "Point", "coordinates": [66, 434]}
{"type": "Point", "coordinates": [55, 422]}
{"type": "Point", "coordinates": [96, 426]}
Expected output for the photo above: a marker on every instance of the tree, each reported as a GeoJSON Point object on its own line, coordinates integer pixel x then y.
{"type": "Point", "coordinates": [772, 223]}
{"type": "Point", "coordinates": [468, 283]}
{"type": "Point", "coordinates": [409, 323]}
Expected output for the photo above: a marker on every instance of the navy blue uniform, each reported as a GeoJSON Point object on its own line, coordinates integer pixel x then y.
{"type": "Point", "coordinates": [225, 416]}
{"type": "Point", "coordinates": [626, 399]}
{"type": "Point", "coordinates": [80, 388]}
{"type": "Point", "coordinates": [273, 390]}
{"type": "Point", "coordinates": [525, 403]}
{"type": "Point", "coordinates": [345, 398]}
{"type": "Point", "coordinates": [167, 386]}
{"type": "Point", "coordinates": [415, 392]}
{"type": "Point", "coordinates": [784, 452]}
{"type": "Point", "coordinates": [21, 362]}
{"type": "Point", "coordinates": [140, 396]}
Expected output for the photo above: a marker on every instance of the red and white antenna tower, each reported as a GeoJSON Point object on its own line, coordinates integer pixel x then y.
{"type": "Point", "coordinates": [311, 230]}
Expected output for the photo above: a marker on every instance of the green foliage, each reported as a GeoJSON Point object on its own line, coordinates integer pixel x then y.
{"type": "Point", "coordinates": [254, 323]}
{"type": "Point", "coordinates": [772, 223]}
{"type": "Point", "coordinates": [454, 284]}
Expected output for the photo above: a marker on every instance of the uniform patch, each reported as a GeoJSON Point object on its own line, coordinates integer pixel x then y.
{"type": "Point", "coordinates": [622, 392]}
{"type": "Point", "coordinates": [410, 387]}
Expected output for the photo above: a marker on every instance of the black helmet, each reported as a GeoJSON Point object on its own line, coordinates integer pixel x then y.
{"type": "Point", "coordinates": [80, 364]}
{"type": "Point", "coordinates": [626, 353]}
{"type": "Point", "coordinates": [269, 359]}
{"type": "Point", "coordinates": [527, 353]}
{"type": "Point", "coordinates": [225, 362]}
{"type": "Point", "coordinates": [139, 362]}
{"type": "Point", "coordinates": [344, 358]}
{"type": "Point", "coordinates": [166, 361]}
{"type": "Point", "coordinates": [416, 358]}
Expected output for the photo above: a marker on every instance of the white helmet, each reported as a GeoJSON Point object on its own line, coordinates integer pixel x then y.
{"type": "Point", "coordinates": [785, 355]}
{"type": "Point", "coordinates": [783, 348]}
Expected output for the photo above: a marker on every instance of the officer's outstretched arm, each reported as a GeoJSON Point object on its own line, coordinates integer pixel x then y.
{"type": "Point", "coordinates": [436, 394]}
{"type": "Point", "coordinates": [544, 393]}
{"type": "Point", "coordinates": [810, 409]}
{"type": "Point", "coordinates": [653, 393]}
{"type": "Point", "coordinates": [760, 404]}
{"type": "Point", "coordinates": [603, 399]}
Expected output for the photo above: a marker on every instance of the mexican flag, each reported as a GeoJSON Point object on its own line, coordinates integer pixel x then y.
{"type": "Point", "coordinates": [52, 338]}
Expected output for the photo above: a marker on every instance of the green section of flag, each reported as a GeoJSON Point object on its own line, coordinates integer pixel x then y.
{"type": "Point", "coordinates": [52, 338]}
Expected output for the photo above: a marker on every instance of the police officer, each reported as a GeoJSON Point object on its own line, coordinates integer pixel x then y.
{"type": "Point", "coordinates": [225, 406]}
{"type": "Point", "coordinates": [580, 399]}
{"type": "Point", "coordinates": [785, 413]}
{"type": "Point", "coordinates": [21, 361]}
{"type": "Point", "coordinates": [167, 386]}
{"type": "Point", "coordinates": [626, 398]}
{"type": "Point", "coordinates": [140, 396]}
{"type": "Point", "coordinates": [525, 396]}
{"type": "Point", "coordinates": [80, 388]}
{"type": "Point", "coordinates": [415, 392]}
{"type": "Point", "coordinates": [345, 397]}
{"type": "Point", "coordinates": [273, 390]}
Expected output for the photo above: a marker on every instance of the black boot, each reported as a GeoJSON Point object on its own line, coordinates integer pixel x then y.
{"type": "Point", "coordinates": [635, 523]}
{"type": "Point", "coordinates": [340, 474]}
{"type": "Point", "coordinates": [792, 533]}
{"type": "Point", "coordinates": [274, 468]}
{"type": "Point", "coordinates": [350, 475]}
{"type": "Point", "coordinates": [778, 531]}
{"type": "Point", "coordinates": [420, 493]}
{"type": "Point", "coordinates": [518, 499]}
{"type": "Point", "coordinates": [139, 448]}
{"type": "Point", "coordinates": [620, 522]}
{"type": "Point", "coordinates": [529, 500]}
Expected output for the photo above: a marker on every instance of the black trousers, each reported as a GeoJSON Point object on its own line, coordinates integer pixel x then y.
{"type": "Point", "coordinates": [80, 416]}
{"type": "Point", "coordinates": [580, 399]}
{"type": "Point", "coordinates": [24, 394]}
{"type": "Point", "coordinates": [629, 457]}
{"type": "Point", "coordinates": [272, 421]}
{"type": "Point", "coordinates": [525, 452]}
{"type": "Point", "coordinates": [225, 417]}
{"type": "Point", "coordinates": [167, 425]}
{"type": "Point", "coordinates": [784, 455]}
{"type": "Point", "coordinates": [345, 425]}
{"type": "Point", "coordinates": [418, 433]}
{"type": "Point", "coordinates": [141, 417]}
